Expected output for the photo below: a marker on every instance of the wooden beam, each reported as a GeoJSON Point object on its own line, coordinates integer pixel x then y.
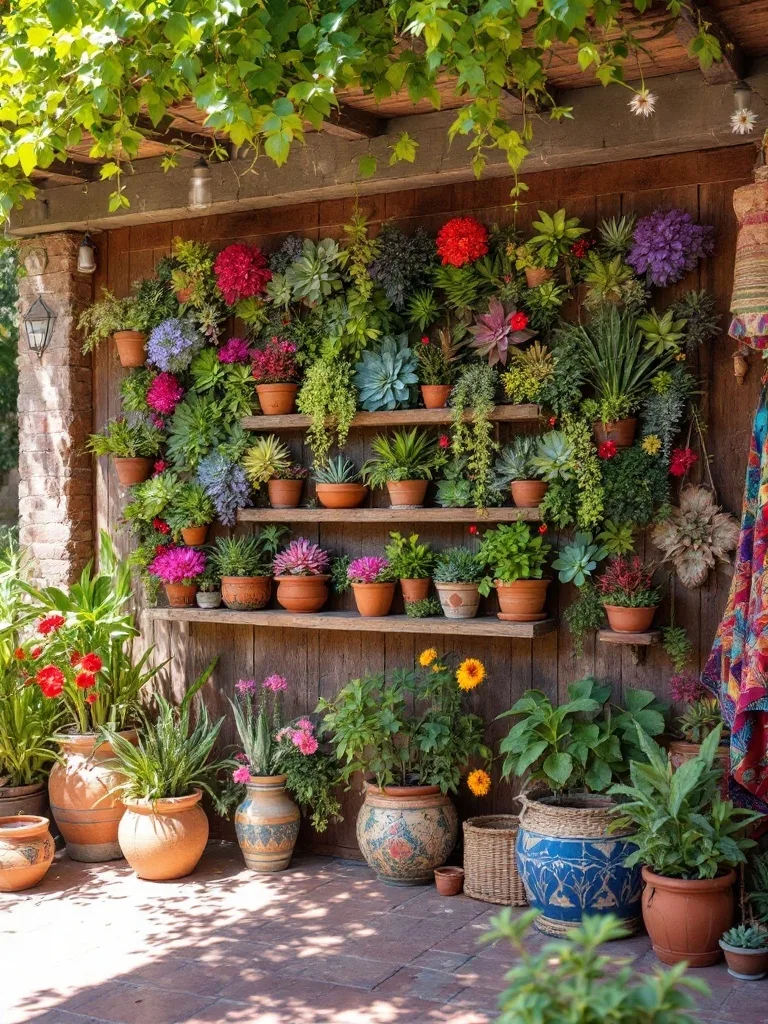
{"type": "Point", "coordinates": [347, 122]}
{"type": "Point", "coordinates": [522, 413]}
{"type": "Point", "coordinates": [193, 140]}
{"type": "Point", "coordinates": [67, 171]}
{"type": "Point", "coordinates": [733, 65]}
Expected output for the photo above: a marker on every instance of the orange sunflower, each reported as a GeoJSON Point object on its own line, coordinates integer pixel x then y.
{"type": "Point", "coordinates": [470, 673]}
{"type": "Point", "coordinates": [479, 782]}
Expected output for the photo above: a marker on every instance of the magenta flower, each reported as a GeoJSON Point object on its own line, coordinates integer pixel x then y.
{"type": "Point", "coordinates": [301, 558]}
{"type": "Point", "coordinates": [275, 683]}
{"type": "Point", "coordinates": [241, 775]}
{"type": "Point", "coordinates": [164, 393]}
{"type": "Point", "coordinates": [305, 725]}
{"type": "Point", "coordinates": [246, 686]}
{"type": "Point", "coordinates": [367, 569]}
{"type": "Point", "coordinates": [178, 565]}
{"type": "Point", "coordinates": [235, 351]}
{"type": "Point", "coordinates": [686, 687]}
{"type": "Point", "coordinates": [307, 744]}
{"type": "Point", "coordinates": [241, 757]}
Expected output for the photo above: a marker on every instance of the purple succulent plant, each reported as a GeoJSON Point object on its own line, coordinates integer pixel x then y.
{"type": "Point", "coordinates": [226, 485]}
{"type": "Point", "coordinates": [173, 344]}
{"type": "Point", "coordinates": [667, 244]}
{"type": "Point", "coordinates": [497, 329]}
{"type": "Point", "coordinates": [178, 565]}
{"type": "Point", "coordinates": [367, 569]}
{"type": "Point", "coordinates": [301, 558]}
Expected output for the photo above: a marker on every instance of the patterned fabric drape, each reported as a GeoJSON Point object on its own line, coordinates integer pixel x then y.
{"type": "Point", "coordinates": [749, 303]}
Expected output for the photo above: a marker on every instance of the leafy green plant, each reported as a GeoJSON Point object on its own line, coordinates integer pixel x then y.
{"type": "Point", "coordinates": [426, 608]}
{"type": "Point", "coordinates": [124, 440]}
{"type": "Point", "coordinates": [458, 565]}
{"type": "Point", "coordinates": [662, 333]}
{"type": "Point", "coordinates": [516, 461]}
{"type": "Point", "coordinates": [423, 309]}
{"type": "Point", "coordinates": [611, 282]}
{"type": "Point", "coordinates": [190, 506]}
{"type": "Point", "coordinates": [554, 457]}
{"type": "Point", "coordinates": [328, 396]}
{"type": "Point", "coordinates": [247, 556]}
{"type": "Point", "coordinates": [577, 561]}
{"type": "Point", "coordinates": [702, 322]}
{"type": "Point", "coordinates": [554, 236]}
{"type": "Point", "coordinates": [403, 455]}
{"type": "Point", "coordinates": [265, 459]}
{"type": "Point", "coordinates": [149, 304]}
{"type": "Point", "coordinates": [615, 235]}
{"type": "Point", "coordinates": [474, 397]}
{"type": "Point", "coordinates": [409, 560]}
{"type": "Point", "coordinates": [455, 489]}
{"type": "Point", "coordinates": [617, 538]}
{"type": "Point", "coordinates": [512, 552]}
{"type": "Point", "coordinates": [636, 486]}
{"type": "Point", "coordinates": [133, 389]}
{"type": "Point", "coordinates": [196, 428]}
{"type": "Point", "coordinates": [339, 470]}
{"type": "Point", "coordinates": [677, 646]}
{"type": "Point", "coordinates": [544, 304]}
{"type": "Point", "coordinates": [583, 616]}
{"type": "Point", "coordinates": [528, 371]}
{"type": "Point", "coordinates": [314, 276]}
{"type": "Point", "coordinates": [210, 580]}
{"type": "Point", "coordinates": [744, 936]}
{"type": "Point", "coordinates": [386, 376]}
{"type": "Point", "coordinates": [699, 719]}
{"type": "Point", "coordinates": [439, 363]}
{"type": "Point", "coordinates": [757, 886]}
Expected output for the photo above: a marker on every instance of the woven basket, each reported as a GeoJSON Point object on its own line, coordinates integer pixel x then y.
{"type": "Point", "coordinates": [490, 868]}
{"type": "Point", "coordinates": [585, 817]}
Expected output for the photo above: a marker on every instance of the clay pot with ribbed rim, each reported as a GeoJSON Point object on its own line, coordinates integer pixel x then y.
{"type": "Point", "coordinates": [181, 595]}
{"type": "Point", "coordinates": [528, 493]}
{"type": "Point", "coordinates": [83, 802]}
{"type": "Point", "coordinates": [131, 348]}
{"type": "Point", "coordinates": [26, 851]}
{"type": "Point", "coordinates": [621, 432]}
{"type": "Point", "coordinates": [405, 832]}
{"type": "Point", "coordinates": [535, 277]}
{"type": "Point", "coordinates": [194, 536]}
{"type": "Point", "coordinates": [458, 600]}
{"type": "Point", "coordinates": [302, 593]}
{"type": "Point", "coordinates": [132, 471]}
{"type": "Point", "coordinates": [267, 824]}
{"type": "Point", "coordinates": [629, 620]}
{"type": "Point", "coordinates": [522, 600]}
{"type": "Point", "coordinates": [373, 599]}
{"type": "Point", "coordinates": [277, 399]}
{"type": "Point", "coordinates": [407, 493]}
{"type": "Point", "coordinates": [341, 495]}
{"type": "Point", "coordinates": [284, 493]}
{"type": "Point", "coordinates": [163, 839]}
{"type": "Point", "coordinates": [415, 590]}
{"type": "Point", "coordinates": [31, 799]}
{"type": "Point", "coordinates": [246, 593]}
{"type": "Point", "coordinates": [685, 917]}
{"type": "Point", "coordinates": [435, 395]}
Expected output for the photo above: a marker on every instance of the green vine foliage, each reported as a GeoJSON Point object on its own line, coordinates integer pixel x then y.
{"type": "Point", "coordinates": [329, 397]}
{"type": "Point", "coordinates": [475, 392]}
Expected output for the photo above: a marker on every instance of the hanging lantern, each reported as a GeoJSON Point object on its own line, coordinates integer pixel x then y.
{"type": "Point", "coordinates": [200, 187]}
{"type": "Point", "coordinates": [742, 96]}
{"type": "Point", "coordinates": [749, 301]}
{"type": "Point", "coordinates": [38, 323]}
{"type": "Point", "coordinates": [86, 255]}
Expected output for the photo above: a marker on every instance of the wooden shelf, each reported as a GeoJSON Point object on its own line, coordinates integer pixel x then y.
{"type": "Point", "coordinates": [398, 418]}
{"type": "Point", "coordinates": [351, 621]}
{"type": "Point", "coordinates": [649, 639]}
{"type": "Point", "coordinates": [388, 515]}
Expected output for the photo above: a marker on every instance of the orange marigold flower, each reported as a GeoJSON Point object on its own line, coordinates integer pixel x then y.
{"type": "Point", "coordinates": [427, 657]}
{"type": "Point", "coordinates": [470, 673]}
{"type": "Point", "coordinates": [479, 782]}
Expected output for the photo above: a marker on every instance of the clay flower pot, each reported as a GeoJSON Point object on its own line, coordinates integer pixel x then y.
{"type": "Point", "coordinates": [415, 590]}
{"type": "Point", "coordinates": [449, 881]}
{"type": "Point", "coordinates": [373, 599]}
{"type": "Point", "coordinates": [629, 620]}
{"type": "Point", "coordinates": [535, 277]}
{"type": "Point", "coordinates": [267, 824]}
{"type": "Point", "coordinates": [181, 595]}
{"type": "Point", "coordinates": [621, 432]}
{"type": "Point", "coordinates": [131, 348]}
{"type": "Point", "coordinates": [407, 493]}
{"type": "Point", "coordinates": [341, 495]}
{"type": "Point", "coordinates": [31, 799]}
{"type": "Point", "coordinates": [284, 493]}
{"type": "Point", "coordinates": [246, 593]}
{"type": "Point", "coordinates": [132, 471]}
{"type": "Point", "coordinates": [163, 839]}
{"type": "Point", "coordinates": [686, 917]}
{"type": "Point", "coordinates": [435, 395]}
{"type": "Point", "coordinates": [277, 399]}
{"type": "Point", "coordinates": [745, 964]}
{"type": "Point", "coordinates": [26, 851]}
{"type": "Point", "coordinates": [194, 536]}
{"type": "Point", "coordinates": [680, 751]}
{"type": "Point", "coordinates": [522, 601]}
{"type": "Point", "coordinates": [208, 599]}
{"type": "Point", "coordinates": [83, 803]}
{"type": "Point", "coordinates": [302, 593]}
{"type": "Point", "coordinates": [459, 600]}
{"type": "Point", "coordinates": [528, 493]}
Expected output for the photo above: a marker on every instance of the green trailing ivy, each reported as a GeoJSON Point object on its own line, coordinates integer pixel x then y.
{"type": "Point", "coordinates": [328, 396]}
{"type": "Point", "coordinates": [475, 393]}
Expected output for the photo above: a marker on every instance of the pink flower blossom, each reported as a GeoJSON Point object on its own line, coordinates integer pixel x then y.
{"type": "Point", "coordinates": [286, 733]}
{"type": "Point", "coordinates": [245, 685]}
{"type": "Point", "coordinates": [307, 744]}
{"type": "Point", "coordinates": [367, 569]}
{"type": "Point", "coordinates": [235, 351]}
{"type": "Point", "coordinates": [164, 393]}
{"type": "Point", "coordinates": [178, 565]}
{"type": "Point", "coordinates": [243, 758]}
{"type": "Point", "coordinates": [686, 687]}
{"type": "Point", "coordinates": [275, 683]}
{"type": "Point", "coordinates": [305, 725]}
{"type": "Point", "coordinates": [241, 775]}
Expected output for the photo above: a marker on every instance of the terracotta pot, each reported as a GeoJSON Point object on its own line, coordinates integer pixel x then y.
{"type": "Point", "coordinates": [407, 493]}
{"type": "Point", "coordinates": [680, 751]}
{"type": "Point", "coordinates": [302, 593]}
{"type": "Point", "coordinates": [32, 799]}
{"type": "Point", "coordinates": [194, 536]}
{"type": "Point", "coordinates": [373, 599]}
{"type": "Point", "coordinates": [277, 399]}
{"type": "Point", "coordinates": [82, 802]}
{"type": "Point", "coordinates": [405, 832]}
{"type": "Point", "coordinates": [133, 471]}
{"type": "Point", "coordinates": [435, 395]}
{"type": "Point", "coordinates": [535, 277]}
{"type": "Point", "coordinates": [267, 824]}
{"type": "Point", "coordinates": [686, 917]}
{"type": "Point", "coordinates": [415, 590]}
{"type": "Point", "coordinates": [449, 881]}
{"type": "Point", "coordinates": [246, 593]}
{"type": "Point", "coordinates": [26, 851]}
{"type": "Point", "coordinates": [522, 601]}
{"type": "Point", "coordinates": [208, 599]}
{"type": "Point", "coordinates": [745, 964]}
{"type": "Point", "coordinates": [163, 839]}
{"type": "Point", "coordinates": [459, 600]}
{"type": "Point", "coordinates": [528, 493]}
{"type": "Point", "coordinates": [629, 620]}
{"type": "Point", "coordinates": [621, 432]}
{"type": "Point", "coordinates": [284, 493]}
{"type": "Point", "coordinates": [341, 495]}
{"type": "Point", "coordinates": [131, 347]}
{"type": "Point", "coordinates": [181, 595]}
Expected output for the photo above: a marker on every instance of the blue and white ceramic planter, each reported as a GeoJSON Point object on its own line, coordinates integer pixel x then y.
{"type": "Point", "coordinates": [571, 866]}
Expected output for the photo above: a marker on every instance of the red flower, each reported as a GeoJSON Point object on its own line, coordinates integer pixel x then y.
{"type": "Point", "coordinates": [36, 652]}
{"type": "Point", "coordinates": [444, 441]}
{"type": "Point", "coordinates": [91, 698]}
{"type": "Point", "coordinates": [160, 525]}
{"type": "Point", "coordinates": [160, 548]}
{"type": "Point", "coordinates": [543, 528]}
{"type": "Point", "coordinates": [275, 363]}
{"type": "Point", "coordinates": [424, 339]}
{"type": "Point", "coordinates": [84, 680]}
{"type": "Point", "coordinates": [681, 461]}
{"type": "Point", "coordinates": [518, 321]}
{"type": "Point", "coordinates": [580, 247]}
{"type": "Point", "coordinates": [462, 240]}
{"type": "Point", "coordinates": [241, 272]}
{"type": "Point", "coordinates": [607, 449]}
{"type": "Point", "coordinates": [50, 680]}
{"type": "Point", "coordinates": [473, 530]}
{"type": "Point", "coordinates": [552, 421]}
{"type": "Point", "coordinates": [50, 624]}
{"type": "Point", "coordinates": [19, 654]}
{"type": "Point", "coordinates": [74, 658]}
{"type": "Point", "coordinates": [160, 466]}
{"type": "Point", "coordinates": [91, 663]}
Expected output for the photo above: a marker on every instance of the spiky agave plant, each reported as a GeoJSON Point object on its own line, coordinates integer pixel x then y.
{"type": "Point", "coordinates": [265, 458]}
{"type": "Point", "coordinates": [405, 455]}
{"type": "Point", "coordinates": [616, 235]}
{"type": "Point", "coordinates": [338, 471]}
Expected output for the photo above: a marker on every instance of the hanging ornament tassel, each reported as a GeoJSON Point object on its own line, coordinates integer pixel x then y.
{"type": "Point", "coordinates": [740, 365]}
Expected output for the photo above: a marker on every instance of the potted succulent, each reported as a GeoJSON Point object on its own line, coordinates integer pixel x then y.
{"type": "Point", "coordinates": [268, 461]}
{"type": "Point", "coordinates": [746, 952]}
{"type": "Point", "coordinates": [128, 320]}
{"type": "Point", "coordinates": [179, 568]}
{"type": "Point", "coordinates": [514, 469]}
{"type": "Point", "coordinates": [628, 595]}
{"type": "Point", "coordinates": [688, 840]}
{"type": "Point", "coordinates": [516, 558]}
{"type": "Point", "coordinates": [404, 463]}
{"type": "Point", "coordinates": [133, 447]}
{"type": "Point", "coordinates": [190, 513]}
{"type": "Point", "coordinates": [437, 369]}
{"type": "Point", "coordinates": [457, 577]}
{"type": "Point", "coordinates": [338, 484]}
{"type": "Point", "coordinates": [701, 714]}
{"type": "Point", "coordinates": [373, 585]}
{"type": "Point", "coordinates": [555, 235]}
{"type": "Point", "coordinates": [276, 373]}
{"type": "Point", "coordinates": [412, 563]}
{"type": "Point", "coordinates": [530, 262]}
{"type": "Point", "coordinates": [300, 572]}
{"type": "Point", "coordinates": [209, 588]}
{"type": "Point", "coordinates": [411, 761]}
{"type": "Point", "coordinates": [244, 565]}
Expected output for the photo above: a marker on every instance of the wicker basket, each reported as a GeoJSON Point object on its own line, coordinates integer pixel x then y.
{"type": "Point", "coordinates": [490, 869]}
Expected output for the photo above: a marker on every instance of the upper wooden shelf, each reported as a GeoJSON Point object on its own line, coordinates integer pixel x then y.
{"type": "Point", "coordinates": [388, 515]}
{"type": "Point", "coordinates": [398, 418]}
{"type": "Point", "coordinates": [649, 639]}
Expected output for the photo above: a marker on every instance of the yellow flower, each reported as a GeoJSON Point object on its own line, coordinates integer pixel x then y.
{"type": "Point", "coordinates": [427, 657]}
{"type": "Point", "coordinates": [470, 673]}
{"type": "Point", "coordinates": [651, 444]}
{"type": "Point", "coordinates": [479, 782]}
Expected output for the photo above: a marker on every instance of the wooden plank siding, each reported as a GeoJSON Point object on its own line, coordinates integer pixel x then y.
{"type": "Point", "coordinates": [318, 663]}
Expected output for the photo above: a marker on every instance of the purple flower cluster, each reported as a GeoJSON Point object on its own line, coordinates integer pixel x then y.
{"type": "Point", "coordinates": [226, 485]}
{"type": "Point", "coordinates": [367, 569]}
{"type": "Point", "coordinates": [235, 351]}
{"type": "Point", "coordinates": [301, 558]}
{"type": "Point", "coordinates": [667, 244]}
{"type": "Point", "coordinates": [173, 344]}
{"type": "Point", "coordinates": [178, 565]}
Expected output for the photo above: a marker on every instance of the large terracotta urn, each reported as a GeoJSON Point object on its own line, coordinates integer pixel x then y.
{"type": "Point", "coordinates": [163, 839]}
{"type": "Point", "coordinates": [26, 851]}
{"type": "Point", "coordinates": [267, 824]}
{"type": "Point", "coordinates": [83, 804]}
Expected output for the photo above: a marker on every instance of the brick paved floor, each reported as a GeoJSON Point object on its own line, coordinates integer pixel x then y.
{"type": "Point", "coordinates": [323, 943]}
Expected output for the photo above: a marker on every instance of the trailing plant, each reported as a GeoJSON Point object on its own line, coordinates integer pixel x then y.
{"type": "Point", "coordinates": [426, 608]}
{"type": "Point", "coordinates": [577, 561]}
{"type": "Point", "coordinates": [408, 559]}
{"type": "Point", "coordinates": [329, 398]}
{"type": "Point", "coordinates": [580, 500]}
{"type": "Point", "coordinates": [583, 616]}
{"type": "Point", "coordinates": [247, 556]}
{"type": "Point", "coordinates": [149, 303]}
{"type": "Point", "coordinates": [301, 558]}
{"type": "Point", "coordinates": [386, 376]}
{"type": "Point", "coordinates": [512, 552]}
{"type": "Point", "coordinates": [265, 459]}
{"type": "Point", "coordinates": [458, 565]}
{"type": "Point", "coordinates": [628, 583]}
{"type": "Point", "coordinates": [133, 389]}
{"type": "Point", "coordinates": [475, 394]}
{"type": "Point", "coordinates": [403, 455]}
{"type": "Point", "coordinates": [339, 470]}
{"type": "Point", "coordinates": [124, 440]}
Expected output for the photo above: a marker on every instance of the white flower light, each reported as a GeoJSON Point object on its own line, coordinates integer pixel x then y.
{"type": "Point", "coordinates": [743, 121]}
{"type": "Point", "coordinates": [643, 103]}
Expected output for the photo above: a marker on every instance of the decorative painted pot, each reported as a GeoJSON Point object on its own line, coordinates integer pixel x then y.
{"type": "Point", "coordinates": [302, 593]}
{"type": "Point", "coordinates": [528, 493]}
{"type": "Point", "coordinates": [522, 601]}
{"type": "Point", "coordinates": [415, 590]}
{"type": "Point", "coordinates": [82, 802]}
{"type": "Point", "coordinates": [435, 395]}
{"type": "Point", "coordinates": [629, 620]}
{"type": "Point", "coordinates": [341, 495]}
{"type": "Point", "coordinates": [685, 917]}
{"type": "Point", "coordinates": [26, 851]}
{"type": "Point", "coordinates": [449, 881]}
{"type": "Point", "coordinates": [131, 348]}
{"type": "Point", "coordinates": [745, 964]}
{"type": "Point", "coordinates": [194, 536]}
{"type": "Point", "coordinates": [132, 471]}
{"type": "Point", "coordinates": [246, 593]}
{"type": "Point", "coordinates": [267, 824]}
{"type": "Point", "coordinates": [405, 832]}
{"type": "Point", "coordinates": [284, 493]}
{"type": "Point", "coordinates": [459, 600]}
{"type": "Point", "coordinates": [208, 599]}
{"type": "Point", "coordinates": [570, 865]}
{"type": "Point", "coordinates": [181, 595]}
{"type": "Point", "coordinates": [277, 399]}
{"type": "Point", "coordinates": [32, 799]}
{"type": "Point", "coordinates": [621, 432]}
{"type": "Point", "coordinates": [373, 599]}
{"type": "Point", "coordinates": [407, 493]}
{"type": "Point", "coordinates": [163, 839]}
{"type": "Point", "coordinates": [680, 751]}
{"type": "Point", "coordinates": [535, 277]}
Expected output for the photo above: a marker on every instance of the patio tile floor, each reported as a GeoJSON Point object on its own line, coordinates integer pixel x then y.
{"type": "Point", "coordinates": [323, 943]}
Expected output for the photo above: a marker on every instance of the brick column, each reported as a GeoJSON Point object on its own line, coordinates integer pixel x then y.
{"type": "Point", "coordinates": [55, 415]}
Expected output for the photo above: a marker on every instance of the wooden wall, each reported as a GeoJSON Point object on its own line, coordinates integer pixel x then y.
{"type": "Point", "coordinates": [318, 663]}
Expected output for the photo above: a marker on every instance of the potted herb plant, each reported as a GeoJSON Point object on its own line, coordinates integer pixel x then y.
{"type": "Point", "coordinates": [128, 320]}
{"type": "Point", "coordinates": [179, 568]}
{"type": "Point", "coordinates": [300, 572]}
{"type": "Point", "coordinates": [373, 585]}
{"type": "Point", "coordinates": [437, 369]}
{"type": "Point", "coordinates": [688, 840]}
{"type": "Point", "coordinates": [404, 462]}
{"type": "Point", "coordinates": [412, 563]}
{"type": "Point", "coordinates": [244, 565]}
{"type": "Point", "coordinates": [190, 513]}
{"type": "Point", "coordinates": [516, 558]}
{"type": "Point", "coordinates": [209, 588]}
{"type": "Point", "coordinates": [407, 824]}
{"type": "Point", "coordinates": [133, 447]}
{"type": "Point", "coordinates": [514, 469]}
{"type": "Point", "coordinates": [746, 952]}
{"type": "Point", "coordinates": [528, 259]}
{"type": "Point", "coordinates": [276, 373]}
{"type": "Point", "coordinates": [337, 484]}
{"type": "Point", "coordinates": [457, 577]}
{"type": "Point", "coordinates": [268, 461]}
{"type": "Point", "coordinates": [628, 595]}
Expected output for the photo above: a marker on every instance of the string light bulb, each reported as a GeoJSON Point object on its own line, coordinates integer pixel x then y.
{"type": "Point", "coordinates": [200, 187]}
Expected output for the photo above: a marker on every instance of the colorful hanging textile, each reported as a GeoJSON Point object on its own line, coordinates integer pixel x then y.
{"type": "Point", "coordinates": [749, 303]}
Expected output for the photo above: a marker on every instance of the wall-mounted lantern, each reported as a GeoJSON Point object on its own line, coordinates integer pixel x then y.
{"type": "Point", "coordinates": [200, 187]}
{"type": "Point", "coordinates": [38, 323]}
{"type": "Point", "coordinates": [86, 255]}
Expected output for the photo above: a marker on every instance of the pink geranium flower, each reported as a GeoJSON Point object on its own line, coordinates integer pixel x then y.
{"type": "Point", "coordinates": [306, 743]}
{"type": "Point", "coordinates": [275, 683]}
{"type": "Point", "coordinates": [305, 725]}
{"type": "Point", "coordinates": [241, 775]}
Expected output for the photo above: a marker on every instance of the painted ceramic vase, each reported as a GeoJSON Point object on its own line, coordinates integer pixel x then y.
{"type": "Point", "coordinates": [163, 839]}
{"type": "Point", "coordinates": [405, 832]}
{"type": "Point", "coordinates": [26, 851]}
{"type": "Point", "coordinates": [267, 824]}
